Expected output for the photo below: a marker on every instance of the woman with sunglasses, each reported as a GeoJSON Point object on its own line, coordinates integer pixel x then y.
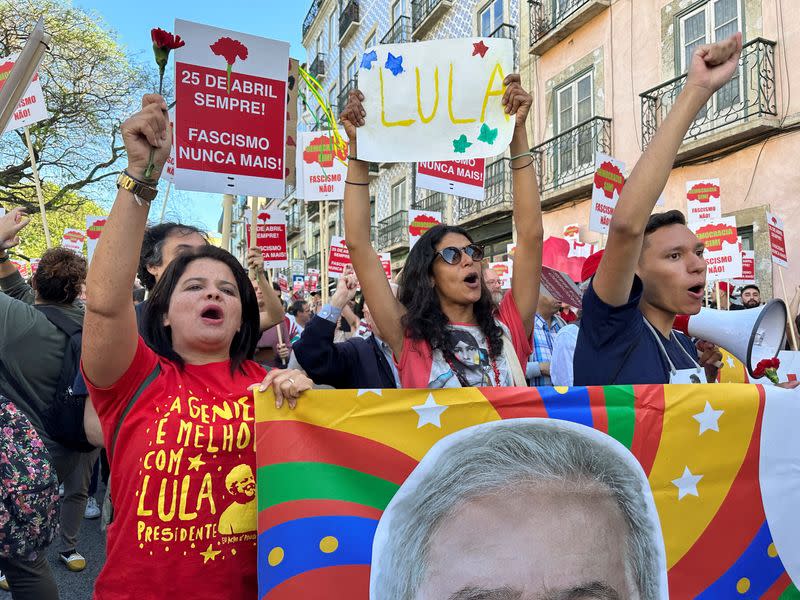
{"type": "Point", "coordinates": [442, 299]}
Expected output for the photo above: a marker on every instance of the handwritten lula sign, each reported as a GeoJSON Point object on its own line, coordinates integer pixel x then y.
{"type": "Point", "coordinates": [446, 92]}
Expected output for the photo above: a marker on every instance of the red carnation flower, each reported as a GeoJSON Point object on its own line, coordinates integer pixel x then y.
{"type": "Point", "coordinates": [768, 368]}
{"type": "Point", "coordinates": [230, 50]}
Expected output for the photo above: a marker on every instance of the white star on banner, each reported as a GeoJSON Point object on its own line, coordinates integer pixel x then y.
{"type": "Point", "coordinates": [687, 484]}
{"type": "Point", "coordinates": [430, 412]}
{"type": "Point", "coordinates": [376, 392]}
{"type": "Point", "coordinates": [731, 362]}
{"type": "Point", "coordinates": [708, 419]}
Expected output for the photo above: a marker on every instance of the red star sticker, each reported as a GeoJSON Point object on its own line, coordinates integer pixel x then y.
{"type": "Point", "coordinates": [479, 48]}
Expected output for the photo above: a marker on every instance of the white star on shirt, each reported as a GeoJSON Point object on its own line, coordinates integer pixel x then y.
{"type": "Point", "coordinates": [708, 419]}
{"type": "Point", "coordinates": [430, 412]}
{"type": "Point", "coordinates": [367, 391]}
{"type": "Point", "coordinates": [687, 484]}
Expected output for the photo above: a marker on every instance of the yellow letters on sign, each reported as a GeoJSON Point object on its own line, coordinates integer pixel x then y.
{"type": "Point", "coordinates": [498, 70]}
{"type": "Point", "coordinates": [404, 123]}
{"type": "Point", "coordinates": [422, 117]}
{"type": "Point", "coordinates": [453, 119]}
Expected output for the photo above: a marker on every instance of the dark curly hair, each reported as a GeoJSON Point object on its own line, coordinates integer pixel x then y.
{"type": "Point", "coordinates": [151, 254]}
{"type": "Point", "coordinates": [424, 319]}
{"type": "Point", "coordinates": [59, 277]}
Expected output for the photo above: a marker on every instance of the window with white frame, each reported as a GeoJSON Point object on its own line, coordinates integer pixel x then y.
{"type": "Point", "coordinates": [574, 105]}
{"type": "Point", "coordinates": [399, 191]}
{"type": "Point", "coordinates": [398, 10]}
{"type": "Point", "coordinates": [333, 35]}
{"type": "Point", "coordinates": [352, 70]}
{"type": "Point", "coordinates": [490, 18]}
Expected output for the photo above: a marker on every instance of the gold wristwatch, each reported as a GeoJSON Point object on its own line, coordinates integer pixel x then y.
{"type": "Point", "coordinates": [140, 189]}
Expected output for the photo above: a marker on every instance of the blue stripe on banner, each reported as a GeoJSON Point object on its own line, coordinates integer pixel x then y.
{"type": "Point", "coordinates": [752, 574]}
{"type": "Point", "coordinates": [304, 545]}
{"type": "Point", "coordinates": [572, 405]}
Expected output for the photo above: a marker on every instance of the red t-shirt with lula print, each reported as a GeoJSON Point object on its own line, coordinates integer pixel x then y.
{"type": "Point", "coordinates": [182, 481]}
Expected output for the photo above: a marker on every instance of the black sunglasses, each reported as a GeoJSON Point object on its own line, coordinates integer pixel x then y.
{"type": "Point", "coordinates": [452, 255]}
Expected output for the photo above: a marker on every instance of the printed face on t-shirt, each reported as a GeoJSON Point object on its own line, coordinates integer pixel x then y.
{"type": "Point", "coordinates": [471, 366]}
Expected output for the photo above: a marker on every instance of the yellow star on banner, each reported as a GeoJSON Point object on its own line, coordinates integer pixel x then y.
{"type": "Point", "coordinates": [210, 554]}
{"type": "Point", "coordinates": [195, 463]}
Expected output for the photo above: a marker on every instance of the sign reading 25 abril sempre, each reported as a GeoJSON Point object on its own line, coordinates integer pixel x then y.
{"type": "Point", "coordinates": [230, 120]}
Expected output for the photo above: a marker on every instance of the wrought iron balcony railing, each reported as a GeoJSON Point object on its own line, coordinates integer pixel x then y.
{"type": "Point", "coordinates": [312, 209]}
{"type": "Point", "coordinates": [349, 17]}
{"type": "Point", "coordinates": [317, 68]}
{"type": "Point", "coordinates": [546, 15]}
{"type": "Point", "coordinates": [311, 15]}
{"type": "Point", "coordinates": [504, 31]}
{"type": "Point", "coordinates": [346, 89]}
{"type": "Point", "coordinates": [399, 32]}
{"type": "Point", "coordinates": [434, 202]}
{"type": "Point", "coordinates": [750, 93]}
{"type": "Point", "coordinates": [312, 261]}
{"type": "Point", "coordinates": [293, 220]}
{"type": "Point", "coordinates": [569, 156]}
{"type": "Point", "coordinates": [497, 186]}
{"type": "Point", "coordinates": [425, 12]}
{"type": "Point", "coordinates": [393, 230]}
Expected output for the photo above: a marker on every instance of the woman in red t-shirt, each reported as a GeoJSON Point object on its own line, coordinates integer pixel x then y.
{"type": "Point", "coordinates": [443, 328]}
{"type": "Point", "coordinates": [178, 419]}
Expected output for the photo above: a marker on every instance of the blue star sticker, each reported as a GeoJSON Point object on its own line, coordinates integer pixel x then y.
{"type": "Point", "coordinates": [394, 64]}
{"type": "Point", "coordinates": [368, 59]}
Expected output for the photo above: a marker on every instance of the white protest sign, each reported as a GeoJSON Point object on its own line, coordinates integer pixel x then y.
{"type": "Point", "coordinates": [271, 237]}
{"type": "Point", "coordinates": [322, 166]}
{"type": "Point", "coordinates": [419, 221]}
{"type": "Point", "coordinates": [606, 188]}
{"type": "Point", "coordinates": [722, 253]}
{"type": "Point", "coordinates": [230, 113]}
{"type": "Point", "coordinates": [94, 227]}
{"type": "Point", "coordinates": [748, 268]}
{"type": "Point", "coordinates": [445, 92]}
{"type": "Point", "coordinates": [463, 178]}
{"type": "Point", "coordinates": [338, 257]}
{"type": "Point", "coordinates": [703, 201]}
{"type": "Point", "coordinates": [577, 248]}
{"type": "Point", "coordinates": [73, 239]}
{"type": "Point", "coordinates": [168, 173]}
{"type": "Point", "coordinates": [31, 107]}
{"type": "Point", "coordinates": [777, 240]}
{"type": "Point", "coordinates": [504, 270]}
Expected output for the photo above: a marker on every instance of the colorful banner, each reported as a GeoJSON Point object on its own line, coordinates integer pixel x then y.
{"type": "Point", "coordinates": [777, 240]}
{"type": "Point", "coordinates": [703, 202]}
{"type": "Point", "coordinates": [73, 239]}
{"type": "Point", "coordinates": [463, 178]}
{"type": "Point", "coordinates": [94, 227]}
{"type": "Point", "coordinates": [504, 270]}
{"type": "Point", "coordinates": [446, 92]}
{"type": "Point", "coordinates": [338, 257]}
{"type": "Point", "coordinates": [31, 108]}
{"type": "Point", "coordinates": [607, 185]}
{"type": "Point", "coordinates": [321, 166]}
{"type": "Point", "coordinates": [419, 221]}
{"type": "Point", "coordinates": [561, 287]}
{"type": "Point", "coordinates": [230, 116]}
{"type": "Point", "coordinates": [444, 489]}
{"type": "Point", "coordinates": [271, 238]}
{"type": "Point", "coordinates": [386, 263]}
{"type": "Point", "coordinates": [722, 253]}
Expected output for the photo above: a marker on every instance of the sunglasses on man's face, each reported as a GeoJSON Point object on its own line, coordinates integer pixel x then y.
{"type": "Point", "coordinates": [452, 255]}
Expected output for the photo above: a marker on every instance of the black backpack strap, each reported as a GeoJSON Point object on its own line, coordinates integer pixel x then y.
{"type": "Point", "coordinates": [60, 319]}
{"type": "Point", "coordinates": [150, 378]}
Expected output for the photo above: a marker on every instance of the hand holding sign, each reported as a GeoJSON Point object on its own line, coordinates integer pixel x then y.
{"type": "Point", "coordinates": [147, 129]}
{"type": "Point", "coordinates": [10, 225]}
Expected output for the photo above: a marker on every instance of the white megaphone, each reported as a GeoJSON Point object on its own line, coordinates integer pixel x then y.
{"type": "Point", "coordinates": [750, 335]}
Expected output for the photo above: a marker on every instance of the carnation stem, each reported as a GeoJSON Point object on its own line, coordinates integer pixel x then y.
{"type": "Point", "coordinates": [148, 172]}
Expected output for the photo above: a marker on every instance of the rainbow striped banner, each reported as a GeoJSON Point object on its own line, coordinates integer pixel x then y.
{"type": "Point", "coordinates": [722, 462]}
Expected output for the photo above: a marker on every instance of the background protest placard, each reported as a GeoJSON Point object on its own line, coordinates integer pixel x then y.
{"type": "Point", "coordinates": [561, 287]}
{"type": "Point", "coordinates": [607, 185]}
{"type": "Point", "coordinates": [230, 116]}
{"type": "Point", "coordinates": [777, 240]}
{"type": "Point", "coordinates": [504, 270]}
{"type": "Point", "coordinates": [290, 153]}
{"type": "Point", "coordinates": [312, 280]}
{"type": "Point", "coordinates": [419, 221]}
{"type": "Point", "coordinates": [445, 92]}
{"type": "Point", "coordinates": [321, 166]}
{"type": "Point", "coordinates": [298, 283]}
{"type": "Point", "coordinates": [722, 253]}
{"type": "Point", "coordinates": [31, 107]}
{"type": "Point", "coordinates": [386, 263]}
{"type": "Point", "coordinates": [283, 282]}
{"type": "Point", "coordinates": [463, 178]}
{"type": "Point", "coordinates": [73, 239]}
{"type": "Point", "coordinates": [748, 268]}
{"type": "Point", "coordinates": [271, 238]}
{"type": "Point", "coordinates": [577, 248]}
{"type": "Point", "coordinates": [703, 201]}
{"type": "Point", "coordinates": [168, 173]}
{"type": "Point", "coordinates": [94, 227]}
{"type": "Point", "coordinates": [338, 258]}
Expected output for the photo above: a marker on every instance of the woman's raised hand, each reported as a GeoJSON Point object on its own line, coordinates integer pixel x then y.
{"type": "Point", "coordinates": [148, 128]}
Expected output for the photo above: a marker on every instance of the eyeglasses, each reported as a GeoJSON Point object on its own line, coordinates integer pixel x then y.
{"type": "Point", "coordinates": [452, 255]}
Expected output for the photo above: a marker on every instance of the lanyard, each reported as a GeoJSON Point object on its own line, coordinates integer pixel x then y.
{"type": "Point", "coordinates": [663, 350]}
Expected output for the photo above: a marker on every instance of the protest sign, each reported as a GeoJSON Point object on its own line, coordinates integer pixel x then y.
{"type": "Point", "coordinates": [35, 265]}
{"type": "Point", "coordinates": [292, 85]}
{"type": "Point", "coordinates": [606, 187]}
{"type": "Point", "coordinates": [298, 283]}
{"type": "Point", "coordinates": [463, 178]}
{"type": "Point", "coordinates": [31, 108]}
{"type": "Point", "coordinates": [419, 221]}
{"type": "Point", "coordinates": [312, 280]}
{"type": "Point", "coordinates": [94, 227]}
{"type": "Point", "coordinates": [271, 237]}
{"type": "Point", "coordinates": [168, 173]}
{"type": "Point", "coordinates": [446, 92]}
{"type": "Point", "coordinates": [722, 247]}
{"type": "Point", "coordinates": [230, 113]}
{"type": "Point", "coordinates": [680, 451]}
{"type": "Point", "coordinates": [23, 267]}
{"type": "Point", "coordinates": [777, 241]}
{"type": "Point", "coordinates": [321, 166]}
{"type": "Point", "coordinates": [283, 282]}
{"type": "Point", "coordinates": [297, 266]}
{"type": "Point", "coordinates": [748, 268]}
{"type": "Point", "coordinates": [386, 263]}
{"type": "Point", "coordinates": [510, 248]}
{"type": "Point", "coordinates": [504, 270]}
{"type": "Point", "coordinates": [561, 287]}
{"type": "Point", "coordinates": [73, 239]}
{"type": "Point", "coordinates": [338, 257]}
{"type": "Point", "coordinates": [577, 248]}
{"type": "Point", "coordinates": [703, 202]}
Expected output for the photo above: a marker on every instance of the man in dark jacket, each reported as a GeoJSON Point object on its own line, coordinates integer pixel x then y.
{"type": "Point", "coordinates": [357, 363]}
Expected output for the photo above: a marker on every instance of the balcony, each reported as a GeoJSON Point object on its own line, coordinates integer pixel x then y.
{"type": "Point", "coordinates": [348, 87]}
{"type": "Point", "coordinates": [424, 14]}
{"type": "Point", "coordinates": [554, 20]}
{"type": "Point", "coordinates": [497, 185]}
{"type": "Point", "coordinates": [743, 108]}
{"type": "Point", "coordinates": [565, 163]}
{"type": "Point", "coordinates": [435, 202]}
{"type": "Point", "coordinates": [508, 32]}
{"type": "Point", "coordinates": [310, 16]}
{"type": "Point", "coordinates": [312, 209]}
{"type": "Point", "coordinates": [399, 32]}
{"type": "Point", "coordinates": [293, 221]}
{"type": "Point", "coordinates": [317, 68]}
{"type": "Point", "coordinates": [312, 261]}
{"type": "Point", "coordinates": [349, 20]}
{"type": "Point", "coordinates": [393, 232]}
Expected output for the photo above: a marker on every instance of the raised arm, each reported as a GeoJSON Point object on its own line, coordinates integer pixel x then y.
{"type": "Point", "coordinates": [386, 310]}
{"type": "Point", "coordinates": [712, 66]}
{"type": "Point", "coordinates": [527, 207]}
{"type": "Point", "coordinates": [109, 331]}
{"type": "Point", "coordinates": [273, 312]}
{"type": "Point", "coordinates": [11, 282]}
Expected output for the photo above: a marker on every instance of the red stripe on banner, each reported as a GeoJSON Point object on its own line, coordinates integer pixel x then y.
{"type": "Point", "coordinates": [597, 403]}
{"type": "Point", "coordinates": [515, 403]}
{"type": "Point", "coordinates": [730, 532]}
{"type": "Point", "coordinates": [330, 583]}
{"type": "Point", "coordinates": [649, 424]}
{"type": "Point", "coordinates": [778, 588]}
{"type": "Point", "coordinates": [301, 509]}
{"type": "Point", "coordinates": [293, 441]}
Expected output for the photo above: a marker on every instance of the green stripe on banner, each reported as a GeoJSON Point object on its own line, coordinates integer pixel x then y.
{"type": "Point", "coordinates": [620, 405]}
{"type": "Point", "coordinates": [285, 482]}
{"type": "Point", "coordinates": [790, 593]}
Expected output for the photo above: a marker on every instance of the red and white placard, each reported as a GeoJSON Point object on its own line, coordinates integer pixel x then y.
{"type": "Point", "coordinates": [607, 185]}
{"type": "Point", "coordinates": [94, 227]}
{"type": "Point", "coordinates": [271, 238]}
{"type": "Point", "coordinates": [504, 270]}
{"type": "Point", "coordinates": [561, 287]}
{"type": "Point", "coordinates": [386, 263]}
{"type": "Point", "coordinates": [722, 253]}
{"type": "Point", "coordinates": [73, 239]}
{"type": "Point", "coordinates": [23, 268]}
{"type": "Point", "coordinates": [777, 240]}
{"type": "Point", "coordinates": [31, 108]}
{"type": "Point", "coordinates": [312, 280]}
{"type": "Point", "coordinates": [748, 268]}
{"type": "Point", "coordinates": [283, 283]}
{"type": "Point", "coordinates": [459, 177]}
{"type": "Point", "coordinates": [419, 221]}
{"type": "Point", "coordinates": [321, 166]}
{"type": "Point", "coordinates": [338, 258]}
{"type": "Point", "coordinates": [703, 201]}
{"type": "Point", "coordinates": [168, 173]}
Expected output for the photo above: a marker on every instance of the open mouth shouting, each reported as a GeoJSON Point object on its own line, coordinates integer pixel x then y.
{"type": "Point", "coordinates": [473, 281]}
{"type": "Point", "coordinates": [697, 291]}
{"type": "Point", "coordinates": [212, 314]}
